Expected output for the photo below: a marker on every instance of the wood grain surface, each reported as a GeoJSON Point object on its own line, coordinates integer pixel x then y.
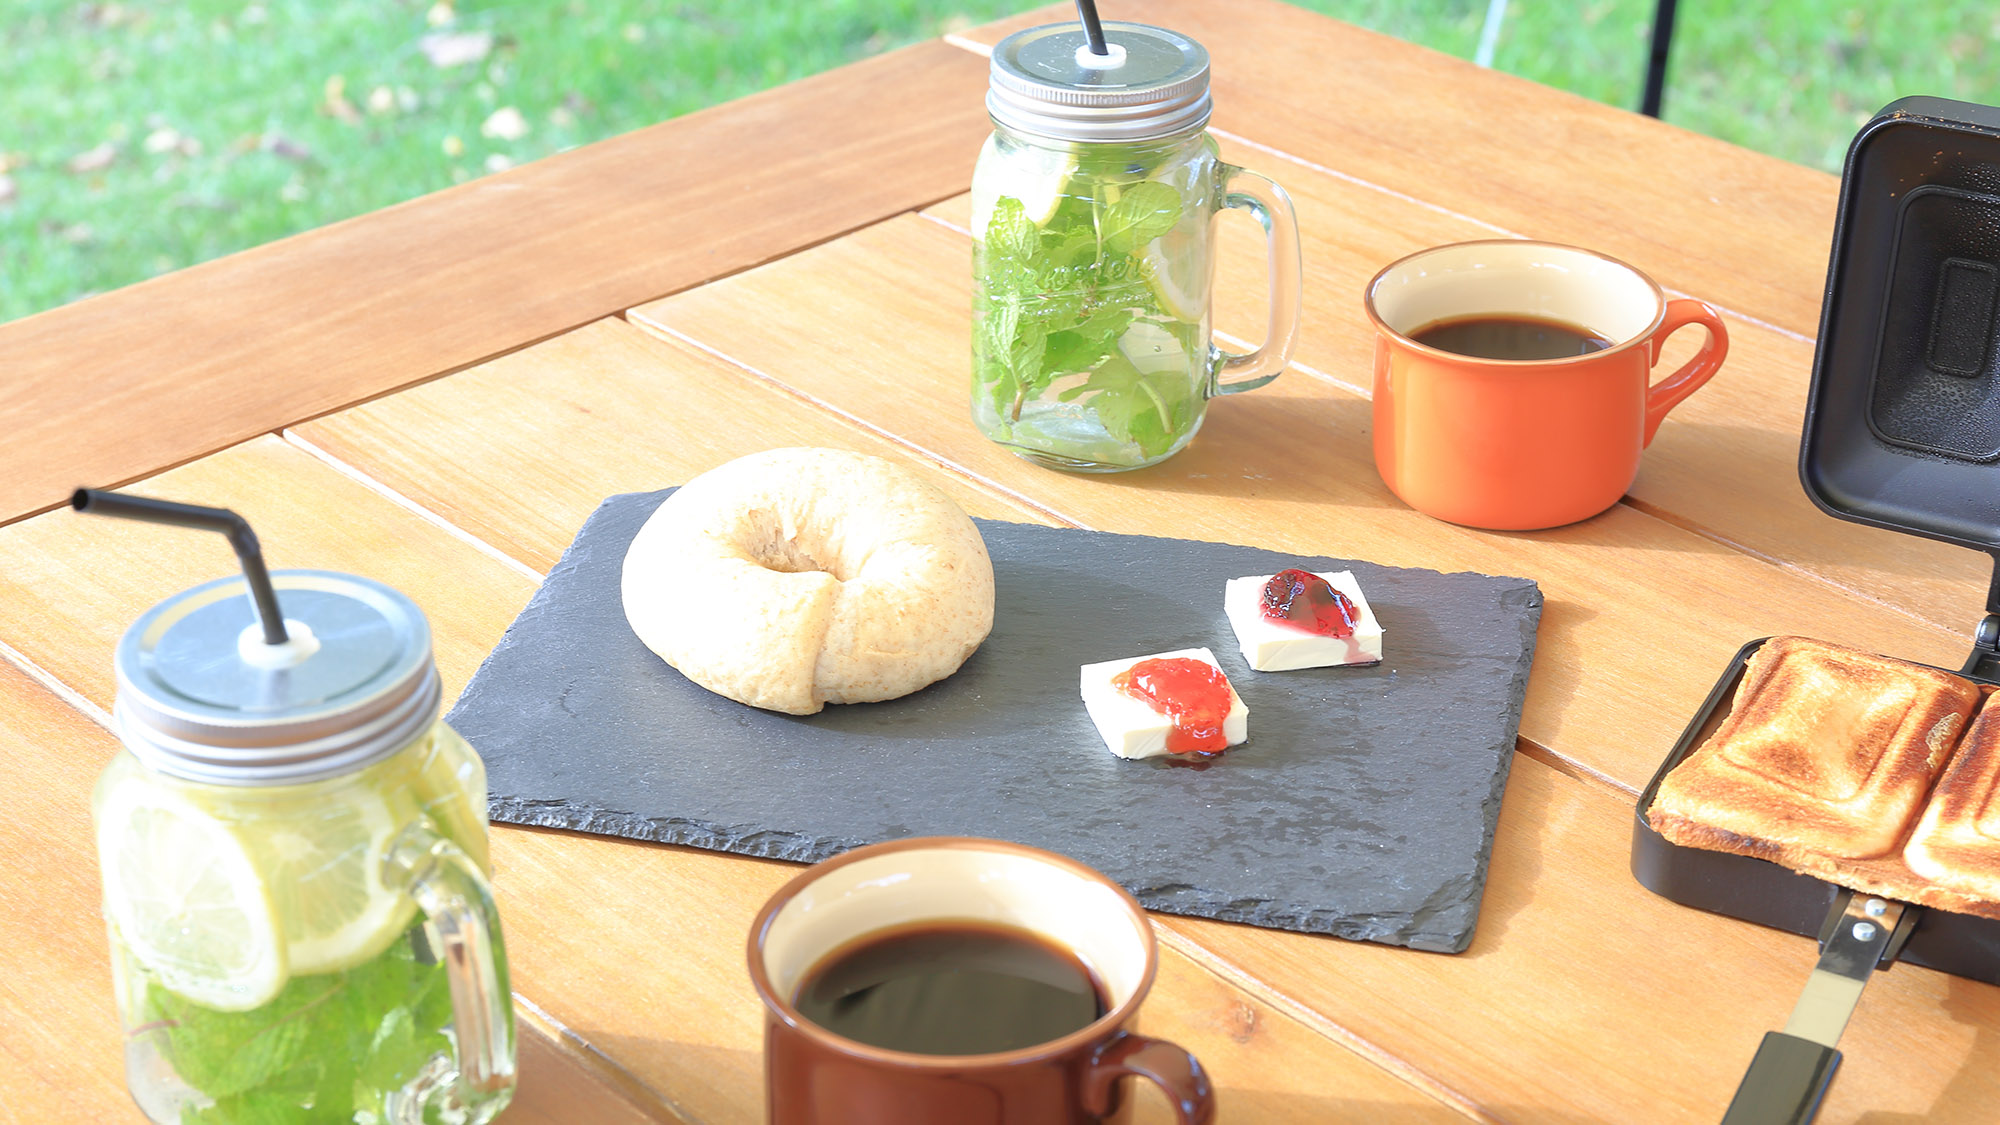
{"type": "Point", "coordinates": [120, 385]}
{"type": "Point", "coordinates": [521, 450]}
{"type": "Point", "coordinates": [1583, 998]}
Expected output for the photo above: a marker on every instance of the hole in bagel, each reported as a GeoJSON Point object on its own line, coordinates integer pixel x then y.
{"type": "Point", "coordinates": [773, 549]}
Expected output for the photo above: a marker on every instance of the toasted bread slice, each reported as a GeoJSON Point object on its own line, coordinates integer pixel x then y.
{"type": "Point", "coordinates": [1826, 752]}
{"type": "Point", "coordinates": [1891, 877]}
{"type": "Point", "coordinates": [1957, 842]}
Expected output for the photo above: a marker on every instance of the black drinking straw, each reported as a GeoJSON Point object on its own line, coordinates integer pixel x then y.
{"type": "Point", "coordinates": [1092, 30]}
{"type": "Point", "coordinates": [244, 540]}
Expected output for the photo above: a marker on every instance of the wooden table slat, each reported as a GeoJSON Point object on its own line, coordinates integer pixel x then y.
{"type": "Point", "coordinates": [617, 409]}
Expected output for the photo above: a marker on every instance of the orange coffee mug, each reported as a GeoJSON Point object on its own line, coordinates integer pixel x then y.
{"type": "Point", "coordinates": [1513, 444]}
{"type": "Point", "coordinates": [967, 957]}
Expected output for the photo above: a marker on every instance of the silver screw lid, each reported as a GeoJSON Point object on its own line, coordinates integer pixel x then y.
{"type": "Point", "coordinates": [203, 697]}
{"type": "Point", "coordinates": [1045, 81]}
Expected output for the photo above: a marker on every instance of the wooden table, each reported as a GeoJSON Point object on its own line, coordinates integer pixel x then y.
{"type": "Point", "coordinates": [437, 394]}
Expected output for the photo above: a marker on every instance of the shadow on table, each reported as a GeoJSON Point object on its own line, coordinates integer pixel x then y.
{"type": "Point", "coordinates": [693, 1079]}
{"type": "Point", "coordinates": [1245, 450]}
{"type": "Point", "coordinates": [1515, 869]}
{"type": "Point", "coordinates": [1272, 1107]}
{"type": "Point", "coordinates": [708, 1076]}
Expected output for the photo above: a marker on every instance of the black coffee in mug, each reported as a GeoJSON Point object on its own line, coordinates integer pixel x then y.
{"type": "Point", "coordinates": [1506, 336]}
{"type": "Point", "coordinates": [951, 988]}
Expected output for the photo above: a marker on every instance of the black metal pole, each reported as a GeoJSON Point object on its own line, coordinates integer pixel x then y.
{"type": "Point", "coordinates": [1656, 62]}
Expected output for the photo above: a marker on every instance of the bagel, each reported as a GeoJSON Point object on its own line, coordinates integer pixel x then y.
{"type": "Point", "coordinates": [794, 578]}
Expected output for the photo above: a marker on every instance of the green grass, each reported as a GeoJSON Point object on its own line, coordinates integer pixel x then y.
{"type": "Point", "coordinates": [146, 136]}
{"type": "Point", "coordinates": [231, 124]}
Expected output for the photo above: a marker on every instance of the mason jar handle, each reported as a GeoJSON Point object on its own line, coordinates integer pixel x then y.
{"type": "Point", "coordinates": [464, 932]}
{"type": "Point", "coordinates": [1266, 202]}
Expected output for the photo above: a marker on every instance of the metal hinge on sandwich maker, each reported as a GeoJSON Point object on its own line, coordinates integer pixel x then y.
{"type": "Point", "coordinates": [1984, 663]}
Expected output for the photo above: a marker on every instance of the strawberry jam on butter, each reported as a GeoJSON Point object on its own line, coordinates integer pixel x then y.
{"type": "Point", "coordinates": [1305, 601]}
{"type": "Point", "coordinates": [1193, 693]}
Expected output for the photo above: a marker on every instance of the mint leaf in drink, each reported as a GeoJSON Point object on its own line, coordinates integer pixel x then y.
{"type": "Point", "coordinates": [1144, 211]}
{"type": "Point", "coordinates": [260, 1107]}
{"type": "Point", "coordinates": [1113, 394]}
{"type": "Point", "coordinates": [1074, 247]}
{"type": "Point", "coordinates": [1010, 234]}
{"type": "Point", "coordinates": [225, 1053]}
{"type": "Point", "coordinates": [1030, 342]}
{"type": "Point", "coordinates": [1087, 344]}
{"type": "Point", "coordinates": [1069, 332]}
{"type": "Point", "coordinates": [328, 1047]}
{"type": "Point", "coordinates": [1001, 317]}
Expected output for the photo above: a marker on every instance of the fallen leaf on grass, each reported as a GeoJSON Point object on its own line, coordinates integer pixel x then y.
{"type": "Point", "coordinates": [334, 101]}
{"type": "Point", "coordinates": [279, 145]}
{"type": "Point", "coordinates": [93, 159]}
{"type": "Point", "coordinates": [505, 123]}
{"type": "Point", "coordinates": [167, 139]}
{"type": "Point", "coordinates": [10, 161]}
{"type": "Point", "coordinates": [456, 48]}
{"type": "Point", "coordinates": [109, 15]}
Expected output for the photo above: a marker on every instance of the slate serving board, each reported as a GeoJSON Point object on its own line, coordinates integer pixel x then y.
{"type": "Point", "coordinates": [1362, 805]}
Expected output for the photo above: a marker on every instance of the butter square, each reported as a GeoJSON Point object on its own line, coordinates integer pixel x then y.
{"type": "Point", "coordinates": [1272, 646]}
{"type": "Point", "coordinates": [1131, 728]}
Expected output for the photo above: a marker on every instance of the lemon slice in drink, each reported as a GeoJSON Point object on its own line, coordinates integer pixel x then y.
{"type": "Point", "coordinates": [1152, 349]}
{"type": "Point", "coordinates": [1037, 177]}
{"type": "Point", "coordinates": [1181, 297]}
{"type": "Point", "coordinates": [187, 899]}
{"type": "Point", "coordinates": [323, 865]}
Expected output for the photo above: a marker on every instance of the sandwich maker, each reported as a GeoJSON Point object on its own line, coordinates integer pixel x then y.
{"type": "Point", "coordinates": [1902, 431]}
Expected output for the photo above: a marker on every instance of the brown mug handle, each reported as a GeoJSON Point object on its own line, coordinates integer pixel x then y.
{"type": "Point", "coordinates": [1167, 1066]}
{"type": "Point", "coordinates": [1668, 392]}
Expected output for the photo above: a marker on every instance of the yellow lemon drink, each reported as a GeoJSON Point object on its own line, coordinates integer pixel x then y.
{"type": "Point", "coordinates": [294, 857]}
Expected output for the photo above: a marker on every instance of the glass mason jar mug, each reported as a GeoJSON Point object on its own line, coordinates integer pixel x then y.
{"type": "Point", "coordinates": [1093, 207]}
{"type": "Point", "coordinates": [293, 849]}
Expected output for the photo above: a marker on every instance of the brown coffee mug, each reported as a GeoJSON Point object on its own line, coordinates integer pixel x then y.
{"type": "Point", "coordinates": [816, 1077]}
{"type": "Point", "coordinates": [1512, 443]}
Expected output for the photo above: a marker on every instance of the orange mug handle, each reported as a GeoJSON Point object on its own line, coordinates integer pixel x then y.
{"type": "Point", "coordinates": [1668, 392]}
{"type": "Point", "coordinates": [1172, 1069]}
